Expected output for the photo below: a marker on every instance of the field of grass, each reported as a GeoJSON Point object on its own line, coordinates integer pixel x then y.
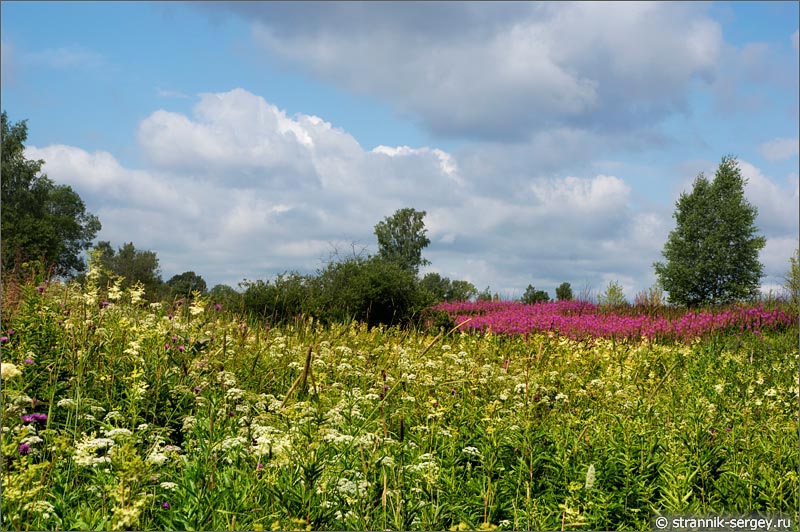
{"type": "Point", "coordinates": [121, 414]}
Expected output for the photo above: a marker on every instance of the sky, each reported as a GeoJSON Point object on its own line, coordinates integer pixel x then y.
{"type": "Point", "coordinates": [546, 142]}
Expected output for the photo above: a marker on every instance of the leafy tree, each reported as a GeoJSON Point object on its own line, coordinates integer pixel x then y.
{"type": "Point", "coordinates": [184, 284]}
{"type": "Point", "coordinates": [564, 292]}
{"type": "Point", "coordinates": [280, 300]}
{"type": "Point", "coordinates": [133, 265]}
{"type": "Point", "coordinates": [461, 291]}
{"type": "Point", "coordinates": [401, 239]}
{"type": "Point", "coordinates": [712, 255]}
{"type": "Point", "coordinates": [533, 295]}
{"type": "Point", "coordinates": [225, 295]}
{"type": "Point", "coordinates": [372, 290]}
{"type": "Point", "coordinates": [443, 289]}
{"type": "Point", "coordinates": [613, 296]}
{"type": "Point", "coordinates": [40, 218]}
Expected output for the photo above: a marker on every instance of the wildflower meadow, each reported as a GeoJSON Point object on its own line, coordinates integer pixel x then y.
{"type": "Point", "coordinates": [118, 413]}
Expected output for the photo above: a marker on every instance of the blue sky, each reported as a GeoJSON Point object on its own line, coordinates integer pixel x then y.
{"type": "Point", "coordinates": [547, 142]}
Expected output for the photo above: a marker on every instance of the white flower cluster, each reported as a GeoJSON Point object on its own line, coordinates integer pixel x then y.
{"type": "Point", "coordinates": [86, 451]}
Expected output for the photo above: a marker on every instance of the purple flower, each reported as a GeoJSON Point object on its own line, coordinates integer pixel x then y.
{"type": "Point", "coordinates": [11, 332]}
{"type": "Point", "coordinates": [166, 346]}
{"type": "Point", "coordinates": [3, 339]}
{"type": "Point", "coordinates": [260, 466]}
{"type": "Point", "coordinates": [196, 389]}
{"type": "Point", "coordinates": [217, 307]}
{"type": "Point", "coordinates": [33, 418]}
{"type": "Point", "coordinates": [104, 304]}
{"type": "Point", "coordinates": [40, 288]}
{"type": "Point", "coordinates": [29, 361]}
{"type": "Point", "coordinates": [24, 449]}
{"type": "Point", "coordinates": [181, 348]}
{"type": "Point", "coordinates": [231, 413]}
{"type": "Point", "coordinates": [165, 505]}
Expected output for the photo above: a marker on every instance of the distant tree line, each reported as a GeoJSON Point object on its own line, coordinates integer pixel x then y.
{"type": "Point", "coordinates": [711, 257]}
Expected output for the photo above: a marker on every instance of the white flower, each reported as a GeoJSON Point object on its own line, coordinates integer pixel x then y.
{"type": "Point", "coordinates": [168, 485]}
{"type": "Point", "coordinates": [471, 451]}
{"type": "Point", "coordinates": [9, 370]}
{"type": "Point", "coordinates": [113, 433]}
{"type": "Point", "coordinates": [66, 402]}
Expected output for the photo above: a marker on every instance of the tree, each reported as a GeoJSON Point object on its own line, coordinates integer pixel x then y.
{"type": "Point", "coordinates": [532, 296]}
{"type": "Point", "coordinates": [712, 254]}
{"type": "Point", "coordinates": [443, 289]}
{"type": "Point", "coordinates": [613, 296]}
{"type": "Point", "coordinates": [131, 264]}
{"type": "Point", "coordinates": [564, 292]}
{"type": "Point", "coordinates": [401, 239]}
{"type": "Point", "coordinates": [184, 284]}
{"type": "Point", "coordinates": [40, 218]}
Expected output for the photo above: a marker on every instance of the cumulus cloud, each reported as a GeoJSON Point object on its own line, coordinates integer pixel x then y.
{"type": "Point", "coordinates": [253, 192]}
{"type": "Point", "coordinates": [780, 149]}
{"type": "Point", "coordinates": [500, 70]}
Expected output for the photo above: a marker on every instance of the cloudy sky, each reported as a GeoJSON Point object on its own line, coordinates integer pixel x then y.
{"type": "Point", "coordinates": [548, 142]}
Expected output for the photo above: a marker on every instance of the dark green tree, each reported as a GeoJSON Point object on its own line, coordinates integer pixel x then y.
{"type": "Point", "coordinates": [184, 284]}
{"type": "Point", "coordinates": [564, 292]}
{"type": "Point", "coordinates": [443, 289]}
{"type": "Point", "coordinates": [712, 254]}
{"type": "Point", "coordinates": [533, 295]}
{"type": "Point", "coordinates": [401, 239]}
{"type": "Point", "coordinates": [133, 265]}
{"type": "Point", "coordinates": [39, 218]}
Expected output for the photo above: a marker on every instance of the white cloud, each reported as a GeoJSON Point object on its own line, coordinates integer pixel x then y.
{"type": "Point", "coordinates": [778, 206]}
{"type": "Point", "coordinates": [241, 190]}
{"type": "Point", "coordinates": [780, 149]}
{"type": "Point", "coordinates": [795, 38]}
{"type": "Point", "coordinates": [501, 70]}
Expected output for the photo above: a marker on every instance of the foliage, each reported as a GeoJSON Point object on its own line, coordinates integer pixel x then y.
{"type": "Point", "coordinates": [184, 284]}
{"type": "Point", "coordinates": [401, 239]}
{"type": "Point", "coordinates": [282, 299]}
{"type": "Point", "coordinates": [130, 265]}
{"type": "Point", "coordinates": [443, 289]}
{"type": "Point", "coordinates": [226, 296]}
{"type": "Point", "coordinates": [652, 298]}
{"type": "Point", "coordinates": [613, 296]}
{"type": "Point", "coordinates": [712, 254]}
{"type": "Point", "coordinates": [533, 295]}
{"type": "Point", "coordinates": [372, 290]}
{"type": "Point", "coordinates": [40, 220]}
{"type": "Point", "coordinates": [135, 416]}
{"type": "Point", "coordinates": [564, 292]}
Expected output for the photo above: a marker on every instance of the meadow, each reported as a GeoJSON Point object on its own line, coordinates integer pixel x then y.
{"type": "Point", "coordinates": [123, 414]}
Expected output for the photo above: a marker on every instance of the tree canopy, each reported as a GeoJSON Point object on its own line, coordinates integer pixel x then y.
{"type": "Point", "coordinates": [401, 239]}
{"type": "Point", "coordinates": [39, 218]}
{"type": "Point", "coordinates": [712, 254]}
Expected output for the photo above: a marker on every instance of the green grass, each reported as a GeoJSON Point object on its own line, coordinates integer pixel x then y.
{"type": "Point", "coordinates": [345, 427]}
